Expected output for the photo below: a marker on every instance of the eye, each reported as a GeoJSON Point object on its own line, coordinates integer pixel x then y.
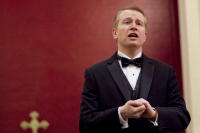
{"type": "Point", "coordinates": [127, 22]}
{"type": "Point", "coordinates": [140, 23]}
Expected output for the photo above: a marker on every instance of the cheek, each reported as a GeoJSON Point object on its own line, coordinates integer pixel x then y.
{"type": "Point", "coordinates": [144, 38]}
{"type": "Point", "coordinates": [143, 35]}
{"type": "Point", "coordinates": [120, 34]}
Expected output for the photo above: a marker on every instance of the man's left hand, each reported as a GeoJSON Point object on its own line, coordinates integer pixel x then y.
{"type": "Point", "coordinates": [150, 112]}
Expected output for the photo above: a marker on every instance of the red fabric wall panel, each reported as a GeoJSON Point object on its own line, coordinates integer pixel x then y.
{"type": "Point", "coordinates": [46, 45]}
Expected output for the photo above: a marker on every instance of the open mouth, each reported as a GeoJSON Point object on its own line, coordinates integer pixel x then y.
{"type": "Point", "coordinates": [133, 35]}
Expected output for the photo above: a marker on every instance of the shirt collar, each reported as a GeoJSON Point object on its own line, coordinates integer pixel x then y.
{"type": "Point", "coordinates": [125, 56]}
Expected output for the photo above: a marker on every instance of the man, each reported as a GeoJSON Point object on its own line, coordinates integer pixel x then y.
{"type": "Point", "coordinates": [131, 93]}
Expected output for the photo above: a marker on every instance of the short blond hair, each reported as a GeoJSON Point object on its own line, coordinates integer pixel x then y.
{"type": "Point", "coordinates": [134, 8]}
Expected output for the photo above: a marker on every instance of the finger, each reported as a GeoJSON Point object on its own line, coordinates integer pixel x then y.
{"type": "Point", "coordinates": [135, 103]}
{"type": "Point", "coordinates": [137, 114]}
{"type": "Point", "coordinates": [148, 106]}
{"type": "Point", "coordinates": [145, 102]}
{"type": "Point", "coordinates": [141, 100]}
{"type": "Point", "coordinates": [139, 109]}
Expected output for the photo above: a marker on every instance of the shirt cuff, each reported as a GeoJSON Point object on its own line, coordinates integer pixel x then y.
{"type": "Point", "coordinates": [123, 122]}
{"type": "Point", "coordinates": [155, 123]}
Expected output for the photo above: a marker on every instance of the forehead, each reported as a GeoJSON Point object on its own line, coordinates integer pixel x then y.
{"type": "Point", "coordinates": [131, 14]}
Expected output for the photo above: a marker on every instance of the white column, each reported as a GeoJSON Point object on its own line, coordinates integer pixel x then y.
{"type": "Point", "coordinates": [189, 19]}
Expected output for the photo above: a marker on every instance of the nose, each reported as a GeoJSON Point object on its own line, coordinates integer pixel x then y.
{"type": "Point", "coordinates": [133, 27]}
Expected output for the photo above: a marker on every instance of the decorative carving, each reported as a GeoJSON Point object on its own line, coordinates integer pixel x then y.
{"type": "Point", "coordinates": [34, 124]}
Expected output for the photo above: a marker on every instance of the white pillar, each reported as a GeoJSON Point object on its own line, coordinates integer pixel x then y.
{"type": "Point", "coordinates": [189, 19]}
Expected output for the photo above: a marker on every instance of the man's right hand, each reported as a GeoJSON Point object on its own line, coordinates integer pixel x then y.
{"type": "Point", "coordinates": [132, 109]}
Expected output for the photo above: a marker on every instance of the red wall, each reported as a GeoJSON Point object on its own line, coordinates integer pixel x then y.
{"type": "Point", "coordinates": [46, 45]}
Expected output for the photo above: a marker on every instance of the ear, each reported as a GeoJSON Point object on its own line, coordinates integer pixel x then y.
{"type": "Point", "coordinates": [114, 32]}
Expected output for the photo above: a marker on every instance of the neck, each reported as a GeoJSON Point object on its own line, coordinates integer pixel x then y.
{"type": "Point", "coordinates": [131, 52]}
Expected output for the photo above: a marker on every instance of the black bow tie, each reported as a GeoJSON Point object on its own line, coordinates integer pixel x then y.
{"type": "Point", "coordinates": [125, 62]}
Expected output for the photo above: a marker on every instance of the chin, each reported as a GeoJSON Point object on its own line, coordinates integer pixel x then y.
{"type": "Point", "coordinates": [133, 45]}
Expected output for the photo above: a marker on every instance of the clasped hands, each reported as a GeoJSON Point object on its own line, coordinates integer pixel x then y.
{"type": "Point", "coordinates": [137, 109]}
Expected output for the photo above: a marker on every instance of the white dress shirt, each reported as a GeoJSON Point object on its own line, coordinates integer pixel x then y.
{"type": "Point", "coordinates": [131, 71]}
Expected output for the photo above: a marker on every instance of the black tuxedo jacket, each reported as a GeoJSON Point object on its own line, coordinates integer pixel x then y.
{"type": "Point", "coordinates": [105, 89]}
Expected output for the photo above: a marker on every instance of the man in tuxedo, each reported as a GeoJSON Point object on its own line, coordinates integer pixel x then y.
{"type": "Point", "coordinates": [130, 92]}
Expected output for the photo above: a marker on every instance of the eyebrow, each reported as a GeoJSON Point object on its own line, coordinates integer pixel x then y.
{"type": "Point", "coordinates": [129, 18]}
{"type": "Point", "coordinates": [125, 19]}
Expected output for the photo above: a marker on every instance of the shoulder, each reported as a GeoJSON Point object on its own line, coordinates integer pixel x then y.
{"type": "Point", "coordinates": [98, 65]}
{"type": "Point", "coordinates": [162, 70]}
{"type": "Point", "coordinates": [101, 66]}
{"type": "Point", "coordinates": [159, 64]}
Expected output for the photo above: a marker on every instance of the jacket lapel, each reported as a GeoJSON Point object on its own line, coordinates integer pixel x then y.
{"type": "Point", "coordinates": [119, 77]}
{"type": "Point", "coordinates": [147, 77]}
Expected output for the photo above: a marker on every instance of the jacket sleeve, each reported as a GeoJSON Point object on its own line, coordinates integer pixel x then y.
{"type": "Point", "coordinates": [92, 118]}
{"type": "Point", "coordinates": [174, 116]}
